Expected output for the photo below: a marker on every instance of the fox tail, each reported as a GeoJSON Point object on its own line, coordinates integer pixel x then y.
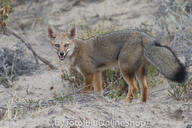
{"type": "Point", "coordinates": [164, 59]}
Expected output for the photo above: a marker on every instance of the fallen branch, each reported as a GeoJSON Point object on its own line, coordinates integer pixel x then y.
{"type": "Point", "coordinates": [28, 45]}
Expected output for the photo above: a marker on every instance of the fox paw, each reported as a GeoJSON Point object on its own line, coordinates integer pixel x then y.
{"type": "Point", "coordinates": [85, 90]}
{"type": "Point", "coordinates": [128, 100]}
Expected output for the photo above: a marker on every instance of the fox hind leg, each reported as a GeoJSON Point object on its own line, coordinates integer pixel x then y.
{"type": "Point", "coordinates": [135, 88]}
{"type": "Point", "coordinates": [88, 83]}
{"type": "Point", "coordinates": [142, 80]}
{"type": "Point", "coordinates": [130, 79]}
{"type": "Point", "coordinates": [132, 88]}
{"type": "Point", "coordinates": [128, 70]}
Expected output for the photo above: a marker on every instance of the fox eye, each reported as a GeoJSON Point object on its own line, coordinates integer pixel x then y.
{"type": "Point", "coordinates": [57, 45]}
{"type": "Point", "coordinates": [66, 45]}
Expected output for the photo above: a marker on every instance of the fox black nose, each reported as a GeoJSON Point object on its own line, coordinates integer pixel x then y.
{"type": "Point", "coordinates": [61, 53]}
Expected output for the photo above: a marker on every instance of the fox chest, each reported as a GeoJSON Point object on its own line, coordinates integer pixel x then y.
{"type": "Point", "coordinates": [84, 68]}
{"type": "Point", "coordinates": [78, 69]}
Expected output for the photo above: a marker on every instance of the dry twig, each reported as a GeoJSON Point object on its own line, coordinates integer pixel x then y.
{"type": "Point", "coordinates": [28, 45]}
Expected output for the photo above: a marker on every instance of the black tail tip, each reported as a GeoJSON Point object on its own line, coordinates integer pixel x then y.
{"type": "Point", "coordinates": [181, 75]}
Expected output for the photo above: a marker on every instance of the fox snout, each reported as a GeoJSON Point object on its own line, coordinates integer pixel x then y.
{"type": "Point", "coordinates": [62, 54]}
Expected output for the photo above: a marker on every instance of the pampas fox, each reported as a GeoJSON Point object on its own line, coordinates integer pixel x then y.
{"type": "Point", "coordinates": [129, 50]}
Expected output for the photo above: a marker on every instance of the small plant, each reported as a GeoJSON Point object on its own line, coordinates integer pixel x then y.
{"type": "Point", "coordinates": [5, 10]}
{"type": "Point", "coordinates": [181, 91]}
{"type": "Point", "coordinates": [177, 91]}
{"type": "Point", "coordinates": [151, 73]}
{"type": "Point", "coordinates": [117, 91]}
{"type": "Point", "coordinates": [73, 77]}
{"type": "Point", "coordinates": [61, 97]}
{"type": "Point", "coordinates": [99, 30]}
{"type": "Point", "coordinates": [151, 70]}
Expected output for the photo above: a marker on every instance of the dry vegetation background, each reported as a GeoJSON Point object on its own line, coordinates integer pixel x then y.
{"type": "Point", "coordinates": [36, 90]}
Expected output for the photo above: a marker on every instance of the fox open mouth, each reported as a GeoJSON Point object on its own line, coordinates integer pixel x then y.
{"type": "Point", "coordinates": [63, 56]}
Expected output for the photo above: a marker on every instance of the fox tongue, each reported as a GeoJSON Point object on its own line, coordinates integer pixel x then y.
{"type": "Point", "coordinates": [61, 57]}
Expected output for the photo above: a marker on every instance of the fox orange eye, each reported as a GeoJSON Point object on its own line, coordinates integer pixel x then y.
{"type": "Point", "coordinates": [57, 45]}
{"type": "Point", "coordinates": [66, 45]}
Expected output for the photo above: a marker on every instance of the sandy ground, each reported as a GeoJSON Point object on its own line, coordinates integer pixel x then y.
{"type": "Point", "coordinates": [32, 95]}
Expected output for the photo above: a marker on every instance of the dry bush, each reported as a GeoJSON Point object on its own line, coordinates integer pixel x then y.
{"type": "Point", "coordinates": [174, 27]}
{"type": "Point", "coordinates": [13, 63]}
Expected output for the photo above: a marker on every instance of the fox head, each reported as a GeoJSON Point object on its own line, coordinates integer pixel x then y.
{"type": "Point", "coordinates": [63, 42]}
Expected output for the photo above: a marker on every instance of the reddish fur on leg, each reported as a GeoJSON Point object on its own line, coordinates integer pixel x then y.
{"type": "Point", "coordinates": [88, 83]}
{"type": "Point", "coordinates": [98, 84]}
{"type": "Point", "coordinates": [131, 82]}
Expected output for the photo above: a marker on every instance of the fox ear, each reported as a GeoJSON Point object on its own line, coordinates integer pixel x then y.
{"type": "Point", "coordinates": [51, 32]}
{"type": "Point", "coordinates": [72, 32]}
